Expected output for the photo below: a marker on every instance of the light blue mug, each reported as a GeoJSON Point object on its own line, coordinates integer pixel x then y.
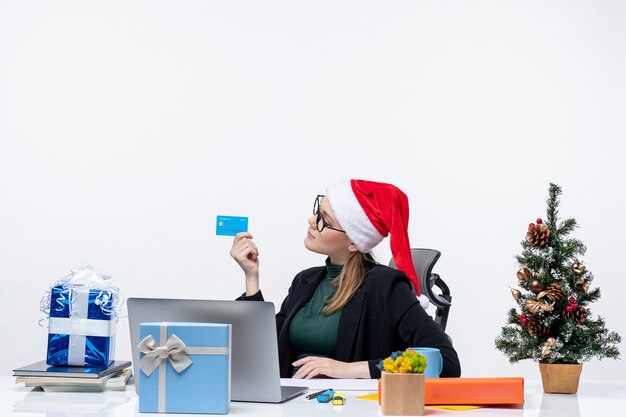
{"type": "Point", "coordinates": [434, 361]}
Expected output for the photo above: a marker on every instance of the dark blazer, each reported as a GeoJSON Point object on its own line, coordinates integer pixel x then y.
{"type": "Point", "coordinates": [383, 316]}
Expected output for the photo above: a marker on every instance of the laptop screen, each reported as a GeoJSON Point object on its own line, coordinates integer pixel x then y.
{"type": "Point", "coordinates": [255, 373]}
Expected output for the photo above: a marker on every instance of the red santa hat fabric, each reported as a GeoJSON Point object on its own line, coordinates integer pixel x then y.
{"type": "Point", "coordinates": [369, 211]}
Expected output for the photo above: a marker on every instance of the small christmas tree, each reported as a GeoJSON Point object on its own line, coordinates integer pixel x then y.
{"type": "Point", "coordinates": [553, 323]}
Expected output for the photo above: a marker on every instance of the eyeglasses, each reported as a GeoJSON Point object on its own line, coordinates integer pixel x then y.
{"type": "Point", "coordinates": [317, 204]}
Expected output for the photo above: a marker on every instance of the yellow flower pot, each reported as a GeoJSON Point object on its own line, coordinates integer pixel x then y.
{"type": "Point", "coordinates": [560, 378]}
{"type": "Point", "coordinates": [402, 394]}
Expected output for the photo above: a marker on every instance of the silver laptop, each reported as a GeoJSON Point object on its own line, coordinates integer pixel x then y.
{"type": "Point", "coordinates": [255, 373]}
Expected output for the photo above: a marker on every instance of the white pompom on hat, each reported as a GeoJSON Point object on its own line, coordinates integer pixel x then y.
{"type": "Point", "coordinates": [369, 211]}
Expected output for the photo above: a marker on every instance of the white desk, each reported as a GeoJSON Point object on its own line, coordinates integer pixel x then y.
{"type": "Point", "coordinates": [594, 398]}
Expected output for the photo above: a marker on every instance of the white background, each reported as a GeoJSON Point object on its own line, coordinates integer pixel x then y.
{"type": "Point", "coordinates": [127, 126]}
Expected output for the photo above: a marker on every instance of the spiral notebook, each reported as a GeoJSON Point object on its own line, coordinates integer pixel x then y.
{"type": "Point", "coordinates": [42, 369]}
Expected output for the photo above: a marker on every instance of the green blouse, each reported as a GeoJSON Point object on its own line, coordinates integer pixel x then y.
{"type": "Point", "coordinates": [313, 333]}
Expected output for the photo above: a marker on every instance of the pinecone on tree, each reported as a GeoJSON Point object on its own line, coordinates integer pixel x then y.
{"type": "Point", "coordinates": [538, 234]}
{"type": "Point", "coordinates": [536, 327]}
{"type": "Point", "coordinates": [578, 314]}
{"type": "Point", "coordinates": [554, 292]}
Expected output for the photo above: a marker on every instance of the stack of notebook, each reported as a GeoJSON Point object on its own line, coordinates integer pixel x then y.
{"type": "Point", "coordinates": [74, 378]}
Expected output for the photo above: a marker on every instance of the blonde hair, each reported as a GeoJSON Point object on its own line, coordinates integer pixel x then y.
{"type": "Point", "coordinates": [348, 281]}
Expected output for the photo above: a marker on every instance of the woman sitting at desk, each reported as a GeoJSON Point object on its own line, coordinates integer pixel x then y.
{"type": "Point", "coordinates": [340, 319]}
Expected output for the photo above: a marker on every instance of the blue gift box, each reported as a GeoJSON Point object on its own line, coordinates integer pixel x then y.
{"type": "Point", "coordinates": [81, 330]}
{"type": "Point", "coordinates": [185, 368]}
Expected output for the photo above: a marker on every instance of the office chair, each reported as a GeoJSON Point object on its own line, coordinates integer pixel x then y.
{"type": "Point", "coordinates": [423, 261]}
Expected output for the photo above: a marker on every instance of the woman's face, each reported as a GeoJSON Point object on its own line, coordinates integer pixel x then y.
{"type": "Point", "coordinates": [334, 243]}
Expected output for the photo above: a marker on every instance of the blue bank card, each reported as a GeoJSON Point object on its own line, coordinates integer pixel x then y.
{"type": "Point", "coordinates": [231, 225]}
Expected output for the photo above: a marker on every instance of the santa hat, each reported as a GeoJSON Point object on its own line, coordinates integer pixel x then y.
{"type": "Point", "coordinates": [369, 211]}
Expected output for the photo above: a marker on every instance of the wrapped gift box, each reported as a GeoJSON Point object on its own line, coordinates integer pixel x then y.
{"type": "Point", "coordinates": [185, 368]}
{"type": "Point", "coordinates": [82, 326]}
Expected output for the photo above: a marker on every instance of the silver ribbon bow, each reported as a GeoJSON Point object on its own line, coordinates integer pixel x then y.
{"type": "Point", "coordinates": [174, 350]}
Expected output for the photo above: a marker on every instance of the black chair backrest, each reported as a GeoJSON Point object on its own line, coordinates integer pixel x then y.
{"type": "Point", "coordinates": [424, 260]}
